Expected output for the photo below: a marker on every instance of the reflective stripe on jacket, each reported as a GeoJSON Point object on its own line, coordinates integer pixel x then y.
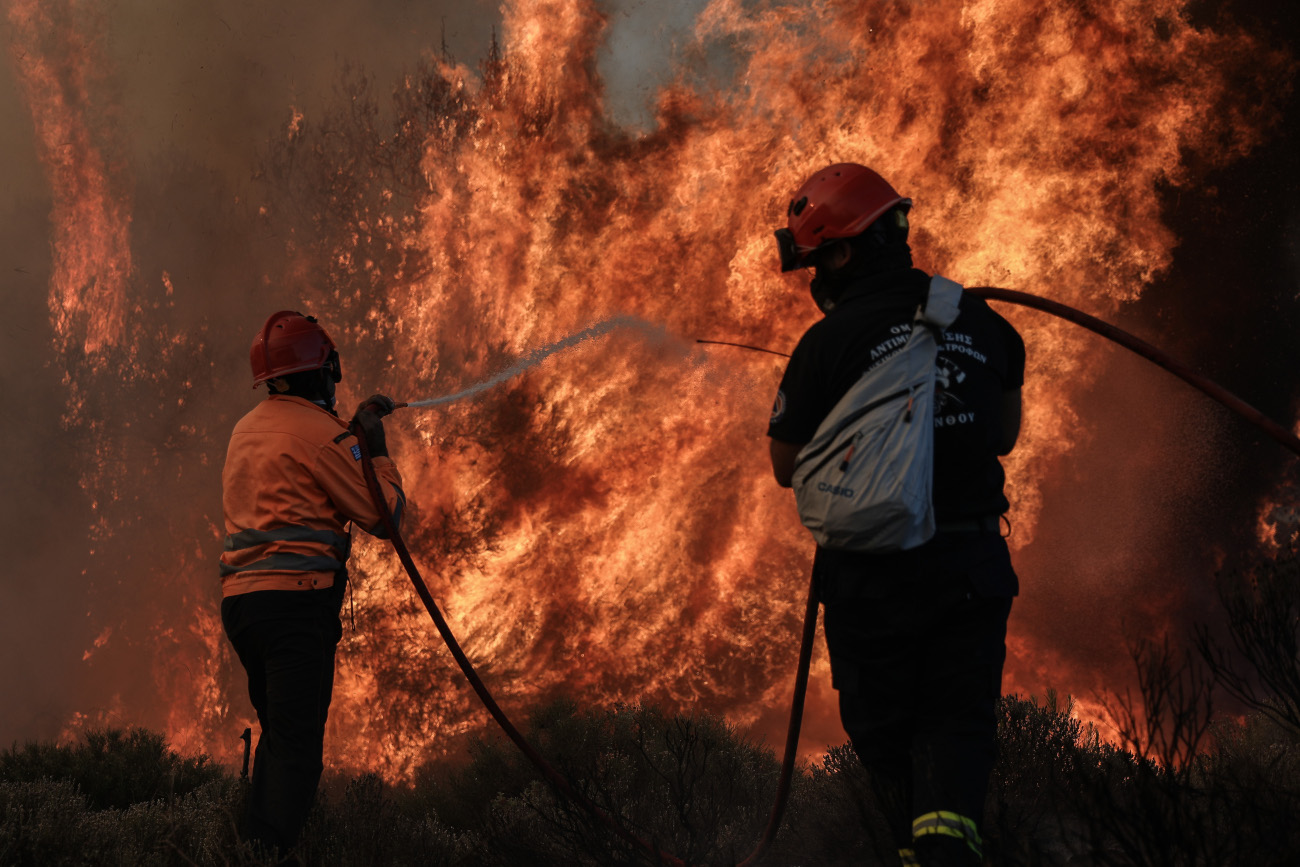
{"type": "Point", "coordinates": [291, 484]}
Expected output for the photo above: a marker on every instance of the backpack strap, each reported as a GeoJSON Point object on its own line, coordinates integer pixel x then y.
{"type": "Point", "coordinates": [942, 303]}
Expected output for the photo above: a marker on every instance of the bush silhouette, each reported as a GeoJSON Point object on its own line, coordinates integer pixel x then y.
{"type": "Point", "coordinates": [112, 768]}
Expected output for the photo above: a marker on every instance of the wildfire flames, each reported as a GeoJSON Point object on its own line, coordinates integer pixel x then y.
{"type": "Point", "coordinates": [603, 527]}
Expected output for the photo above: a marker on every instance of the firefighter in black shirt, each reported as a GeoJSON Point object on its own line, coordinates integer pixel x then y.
{"type": "Point", "coordinates": [916, 637]}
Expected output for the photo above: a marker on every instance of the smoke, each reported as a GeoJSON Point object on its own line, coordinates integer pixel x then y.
{"type": "Point", "coordinates": [647, 43]}
{"type": "Point", "coordinates": [214, 80]}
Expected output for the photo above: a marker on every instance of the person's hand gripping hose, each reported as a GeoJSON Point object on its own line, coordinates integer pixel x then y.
{"type": "Point", "coordinates": [369, 418]}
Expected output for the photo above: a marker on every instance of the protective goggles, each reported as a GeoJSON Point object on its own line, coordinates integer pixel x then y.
{"type": "Point", "coordinates": [334, 366]}
{"type": "Point", "coordinates": [791, 257]}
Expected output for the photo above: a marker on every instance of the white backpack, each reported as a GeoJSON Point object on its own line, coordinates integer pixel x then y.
{"type": "Point", "coordinates": [864, 482]}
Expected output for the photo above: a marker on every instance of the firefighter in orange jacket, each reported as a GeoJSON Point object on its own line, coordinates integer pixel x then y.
{"type": "Point", "coordinates": [292, 487]}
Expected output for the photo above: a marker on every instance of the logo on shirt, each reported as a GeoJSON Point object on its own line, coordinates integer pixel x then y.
{"type": "Point", "coordinates": [778, 408]}
{"type": "Point", "coordinates": [948, 376]}
{"type": "Point", "coordinates": [356, 452]}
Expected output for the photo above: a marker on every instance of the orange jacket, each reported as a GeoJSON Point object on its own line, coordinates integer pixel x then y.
{"type": "Point", "coordinates": [291, 484]}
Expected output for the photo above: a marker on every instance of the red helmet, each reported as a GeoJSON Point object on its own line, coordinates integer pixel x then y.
{"type": "Point", "coordinates": [288, 343]}
{"type": "Point", "coordinates": [840, 201]}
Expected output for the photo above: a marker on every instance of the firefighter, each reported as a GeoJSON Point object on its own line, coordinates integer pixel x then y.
{"type": "Point", "coordinates": [292, 489]}
{"type": "Point", "coordinates": [916, 637]}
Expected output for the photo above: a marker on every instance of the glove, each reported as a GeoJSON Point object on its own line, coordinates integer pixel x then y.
{"type": "Point", "coordinates": [380, 404]}
{"type": "Point", "coordinates": [369, 417]}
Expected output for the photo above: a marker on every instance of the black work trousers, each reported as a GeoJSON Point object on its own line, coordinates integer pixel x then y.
{"type": "Point", "coordinates": [286, 643]}
{"type": "Point", "coordinates": [917, 641]}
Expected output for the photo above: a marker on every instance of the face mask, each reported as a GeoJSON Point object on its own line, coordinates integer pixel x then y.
{"type": "Point", "coordinates": [331, 374]}
{"type": "Point", "coordinates": [824, 292]}
{"type": "Point", "coordinates": [327, 398]}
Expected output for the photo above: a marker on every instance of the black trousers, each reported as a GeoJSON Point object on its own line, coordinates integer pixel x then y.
{"type": "Point", "coordinates": [917, 641]}
{"type": "Point", "coordinates": [286, 643]}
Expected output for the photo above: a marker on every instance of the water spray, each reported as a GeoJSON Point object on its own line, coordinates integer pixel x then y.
{"type": "Point", "coordinates": [537, 356]}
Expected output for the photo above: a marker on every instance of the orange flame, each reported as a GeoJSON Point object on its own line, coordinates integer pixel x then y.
{"type": "Point", "coordinates": [58, 58]}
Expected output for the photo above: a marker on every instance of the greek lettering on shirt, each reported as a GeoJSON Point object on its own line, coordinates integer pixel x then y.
{"type": "Point", "coordinates": [954, 342]}
{"type": "Point", "coordinates": [962, 343]}
{"type": "Point", "coordinates": [954, 418]}
{"type": "Point", "coordinates": [897, 339]}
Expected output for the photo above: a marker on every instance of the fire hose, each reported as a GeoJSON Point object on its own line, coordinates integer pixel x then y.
{"type": "Point", "coordinates": [557, 779]}
{"type": "Point", "coordinates": [1063, 311]}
